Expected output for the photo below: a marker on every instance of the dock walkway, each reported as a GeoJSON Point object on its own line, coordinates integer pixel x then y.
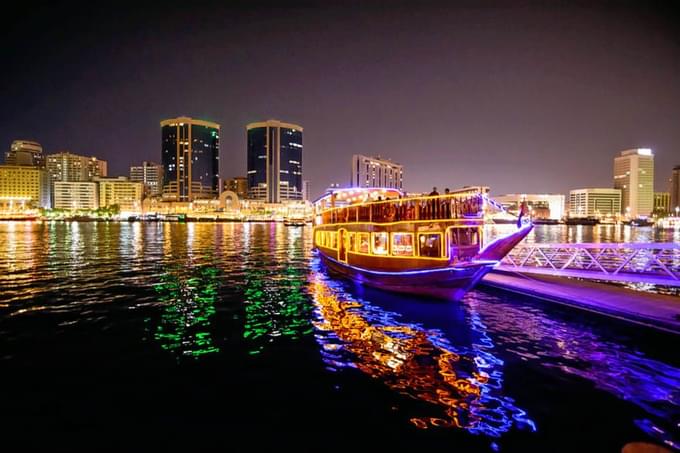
{"type": "Point", "coordinates": [649, 309]}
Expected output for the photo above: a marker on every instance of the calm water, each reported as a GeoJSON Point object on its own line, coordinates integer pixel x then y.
{"type": "Point", "coordinates": [590, 233]}
{"type": "Point", "coordinates": [145, 337]}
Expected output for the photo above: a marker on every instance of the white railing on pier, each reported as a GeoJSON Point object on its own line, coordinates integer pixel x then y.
{"type": "Point", "coordinates": [655, 263]}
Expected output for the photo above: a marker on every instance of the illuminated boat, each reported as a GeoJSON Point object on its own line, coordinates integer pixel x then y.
{"type": "Point", "coordinates": [294, 221]}
{"type": "Point", "coordinates": [432, 245]}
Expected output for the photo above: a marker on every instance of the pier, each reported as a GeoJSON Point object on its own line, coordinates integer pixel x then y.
{"type": "Point", "coordinates": [590, 277]}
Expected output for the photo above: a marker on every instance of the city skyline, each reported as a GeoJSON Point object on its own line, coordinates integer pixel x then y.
{"type": "Point", "coordinates": [494, 96]}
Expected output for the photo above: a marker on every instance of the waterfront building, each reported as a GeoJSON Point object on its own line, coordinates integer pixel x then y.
{"type": "Point", "coordinates": [675, 190]}
{"type": "Point", "coordinates": [306, 190]}
{"type": "Point", "coordinates": [150, 174]}
{"type": "Point", "coordinates": [68, 167]}
{"type": "Point", "coordinates": [594, 203]}
{"type": "Point", "coordinates": [634, 176]}
{"type": "Point", "coordinates": [25, 152]}
{"type": "Point", "coordinates": [122, 192]}
{"type": "Point", "coordinates": [274, 161]}
{"type": "Point", "coordinates": [662, 203]}
{"type": "Point", "coordinates": [541, 206]}
{"type": "Point", "coordinates": [190, 157]}
{"type": "Point", "coordinates": [238, 185]}
{"type": "Point", "coordinates": [23, 187]}
{"type": "Point", "coordinates": [76, 195]}
{"type": "Point", "coordinates": [376, 172]}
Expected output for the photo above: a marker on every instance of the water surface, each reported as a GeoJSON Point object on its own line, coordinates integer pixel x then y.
{"type": "Point", "coordinates": [185, 336]}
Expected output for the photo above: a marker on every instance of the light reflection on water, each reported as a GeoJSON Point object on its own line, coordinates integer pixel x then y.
{"type": "Point", "coordinates": [464, 383]}
{"type": "Point", "coordinates": [578, 350]}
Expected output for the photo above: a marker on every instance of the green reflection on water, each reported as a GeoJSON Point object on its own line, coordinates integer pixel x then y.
{"type": "Point", "coordinates": [188, 304]}
{"type": "Point", "coordinates": [275, 306]}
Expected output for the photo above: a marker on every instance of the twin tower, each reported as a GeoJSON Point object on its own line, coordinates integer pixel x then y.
{"type": "Point", "coordinates": [190, 154]}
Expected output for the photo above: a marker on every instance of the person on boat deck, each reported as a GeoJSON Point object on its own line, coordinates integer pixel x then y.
{"type": "Point", "coordinates": [446, 205]}
{"type": "Point", "coordinates": [433, 204]}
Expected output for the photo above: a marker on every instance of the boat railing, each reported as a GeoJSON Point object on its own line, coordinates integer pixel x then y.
{"type": "Point", "coordinates": [440, 207]}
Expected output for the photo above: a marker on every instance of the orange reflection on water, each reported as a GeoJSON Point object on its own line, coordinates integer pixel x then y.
{"type": "Point", "coordinates": [407, 360]}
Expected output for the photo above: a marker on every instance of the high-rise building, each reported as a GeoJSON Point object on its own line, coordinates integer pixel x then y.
{"type": "Point", "coordinates": [190, 154]}
{"type": "Point", "coordinates": [151, 175]}
{"type": "Point", "coordinates": [274, 161]}
{"type": "Point", "coordinates": [306, 190]}
{"type": "Point", "coordinates": [662, 203]}
{"type": "Point", "coordinates": [594, 202]}
{"type": "Point", "coordinates": [675, 190]}
{"type": "Point", "coordinates": [69, 167]}
{"type": "Point", "coordinates": [76, 195]}
{"type": "Point", "coordinates": [376, 172]}
{"type": "Point", "coordinates": [634, 175]}
{"type": "Point", "coordinates": [122, 192]}
{"type": "Point", "coordinates": [23, 187]}
{"type": "Point", "coordinates": [25, 152]}
{"type": "Point", "coordinates": [238, 185]}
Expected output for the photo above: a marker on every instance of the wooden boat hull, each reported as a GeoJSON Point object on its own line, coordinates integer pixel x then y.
{"type": "Point", "coordinates": [450, 283]}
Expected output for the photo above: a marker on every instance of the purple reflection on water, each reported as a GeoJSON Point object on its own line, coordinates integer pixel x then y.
{"type": "Point", "coordinates": [532, 335]}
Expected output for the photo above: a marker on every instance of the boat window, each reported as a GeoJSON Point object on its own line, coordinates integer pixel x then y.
{"type": "Point", "coordinates": [402, 244]}
{"type": "Point", "coordinates": [317, 238]}
{"type": "Point", "coordinates": [430, 245]}
{"type": "Point", "coordinates": [380, 243]}
{"type": "Point", "coordinates": [363, 243]}
{"type": "Point", "coordinates": [352, 242]}
{"type": "Point", "coordinates": [334, 240]}
{"type": "Point", "coordinates": [464, 236]}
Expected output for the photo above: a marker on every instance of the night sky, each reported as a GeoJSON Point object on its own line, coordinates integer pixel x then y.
{"type": "Point", "coordinates": [533, 97]}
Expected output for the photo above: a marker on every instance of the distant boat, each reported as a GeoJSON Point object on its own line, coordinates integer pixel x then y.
{"type": "Point", "coordinates": [581, 221]}
{"type": "Point", "coordinates": [294, 221]}
{"type": "Point", "coordinates": [546, 222]}
{"type": "Point", "coordinates": [19, 217]}
{"type": "Point", "coordinates": [640, 222]}
{"type": "Point", "coordinates": [429, 245]}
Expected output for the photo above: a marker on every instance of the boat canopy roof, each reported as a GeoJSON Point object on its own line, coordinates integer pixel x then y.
{"type": "Point", "coordinates": [338, 197]}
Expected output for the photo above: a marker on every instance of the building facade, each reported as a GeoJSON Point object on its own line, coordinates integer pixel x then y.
{"type": "Point", "coordinates": [238, 185]}
{"type": "Point", "coordinates": [25, 152]}
{"type": "Point", "coordinates": [150, 174]}
{"type": "Point", "coordinates": [274, 161]}
{"type": "Point", "coordinates": [634, 176]}
{"type": "Point", "coordinates": [376, 172]}
{"type": "Point", "coordinates": [23, 187]}
{"type": "Point", "coordinates": [122, 192]}
{"type": "Point", "coordinates": [675, 190]}
{"type": "Point", "coordinates": [541, 206]}
{"type": "Point", "coordinates": [76, 195]}
{"type": "Point", "coordinates": [594, 203]}
{"type": "Point", "coordinates": [190, 155]}
{"type": "Point", "coordinates": [69, 167]}
{"type": "Point", "coordinates": [307, 190]}
{"type": "Point", "coordinates": [662, 203]}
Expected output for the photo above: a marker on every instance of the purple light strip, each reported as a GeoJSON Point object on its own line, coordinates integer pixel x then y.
{"type": "Point", "coordinates": [480, 263]}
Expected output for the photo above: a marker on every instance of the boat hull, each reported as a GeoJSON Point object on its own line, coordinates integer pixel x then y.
{"type": "Point", "coordinates": [449, 283]}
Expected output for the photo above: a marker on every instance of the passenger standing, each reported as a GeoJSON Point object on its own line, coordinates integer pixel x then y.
{"type": "Point", "coordinates": [432, 204]}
